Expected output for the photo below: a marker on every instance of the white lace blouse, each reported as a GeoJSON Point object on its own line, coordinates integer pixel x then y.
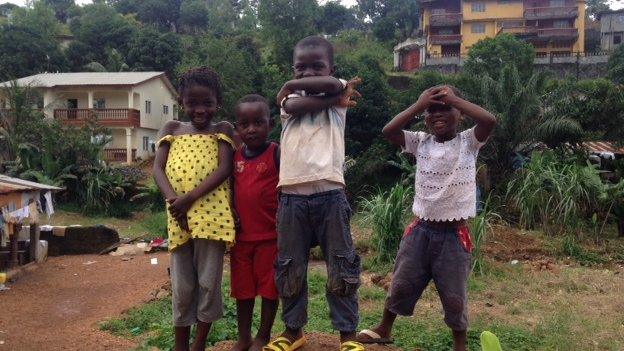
{"type": "Point", "coordinates": [445, 182]}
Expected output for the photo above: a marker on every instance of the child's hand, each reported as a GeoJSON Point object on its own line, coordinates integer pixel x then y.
{"type": "Point", "coordinates": [449, 95]}
{"type": "Point", "coordinates": [283, 93]}
{"type": "Point", "coordinates": [350, 92]}
{"type": "Point", "coordinates": [432, 96]}
{"type": "Point", "coordinates": [179, 206]}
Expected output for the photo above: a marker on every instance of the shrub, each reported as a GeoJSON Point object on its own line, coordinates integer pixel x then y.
{"type": "Point", "coordinates": [386, 212]}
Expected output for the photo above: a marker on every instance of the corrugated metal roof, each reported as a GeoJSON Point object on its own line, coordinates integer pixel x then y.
{"type": "Point", "coordinates": [603, 146]}
{"type": "Point", "coordinates": [10, 184]}
{"type": "Point", "coordinates": [49, 80]}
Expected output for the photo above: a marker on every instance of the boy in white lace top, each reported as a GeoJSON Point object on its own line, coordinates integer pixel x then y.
{"type": "Point", "coordinates": [437, 244]}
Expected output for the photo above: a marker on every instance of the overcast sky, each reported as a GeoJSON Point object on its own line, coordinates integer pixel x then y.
{"type": "Point", "coordinates": [615, 4]}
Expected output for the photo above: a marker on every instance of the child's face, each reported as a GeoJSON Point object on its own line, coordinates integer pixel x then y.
{"type": "Point", "coordinates": [200, 105]}
{"type": "Point", "coordinates": [442, 120]}
{"type": "Point", "coordinates": [253, 123]}
{"type": "Point", "coordinates": [312, 61]}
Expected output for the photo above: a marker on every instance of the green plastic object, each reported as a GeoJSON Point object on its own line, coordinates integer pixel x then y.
{"type": "Point", "coordinates": [489, 342]}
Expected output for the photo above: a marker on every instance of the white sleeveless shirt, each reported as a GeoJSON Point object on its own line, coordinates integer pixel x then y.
{"type": "Point", "coordinates": [445, 181]}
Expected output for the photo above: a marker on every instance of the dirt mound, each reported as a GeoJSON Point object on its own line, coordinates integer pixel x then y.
{"type": "Point", "coordinates": [506, 244]}
{"type": "Point", "coordinates": [316, 342]}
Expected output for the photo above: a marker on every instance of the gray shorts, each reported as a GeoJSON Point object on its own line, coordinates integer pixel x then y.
{"type": "Point", "coordinates": [429, 252]}
{"type": "Point", "coordinates": [196, 272]}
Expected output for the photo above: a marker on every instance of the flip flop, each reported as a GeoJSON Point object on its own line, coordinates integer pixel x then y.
{"type": "Point", "coordinates": [283, 344]}
{"type": "Point", "coordinates": [372, 338]}
{"type": "Point", "coordinates": [352, 346]}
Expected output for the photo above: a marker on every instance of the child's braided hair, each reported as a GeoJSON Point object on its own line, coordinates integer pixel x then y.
{"type": "Point", "coordinates": [203, 76]}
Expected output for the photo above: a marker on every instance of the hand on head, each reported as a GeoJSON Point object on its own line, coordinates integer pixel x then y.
{"type": "Point", "coordinates": [434, 96]}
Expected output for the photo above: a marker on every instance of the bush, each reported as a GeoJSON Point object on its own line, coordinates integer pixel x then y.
{"type": "Point", "coordinates": [558, 194]}
{"type": "Point", "coordinates": [387, 212]}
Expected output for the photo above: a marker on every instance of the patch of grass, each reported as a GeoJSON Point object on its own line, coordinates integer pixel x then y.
{"type": "Point", "coordinates": [570, 247]}
{"type": "Point", "coordinates": [148, 223]}
{"type": "Point", "coordinates": [155, 223]}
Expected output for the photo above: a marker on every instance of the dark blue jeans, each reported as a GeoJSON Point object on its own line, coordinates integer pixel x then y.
{"type": "Point", "coordinates": [304, 222]}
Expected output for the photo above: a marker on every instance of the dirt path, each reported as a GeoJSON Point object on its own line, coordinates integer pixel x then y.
{"type": "Point", "coordinates": [58, 306]}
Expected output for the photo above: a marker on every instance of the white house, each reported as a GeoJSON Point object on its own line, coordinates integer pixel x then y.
{"type": "Point", "coordinates": [133, 105]}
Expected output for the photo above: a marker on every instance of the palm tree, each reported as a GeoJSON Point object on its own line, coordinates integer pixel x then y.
{"type": "Point", "coordinates": [523, 122]}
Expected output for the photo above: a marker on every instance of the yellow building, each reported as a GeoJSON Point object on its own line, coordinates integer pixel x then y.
{"type": "Point", "coordinates": [451, 27]}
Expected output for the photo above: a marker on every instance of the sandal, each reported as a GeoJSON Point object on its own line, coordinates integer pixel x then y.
{"type": "Point", "coordinates": [352, 346]}
{"type": "Point", "coordinates": [283, 344]}
{"type": "Point", "coordinates": [371, 337]}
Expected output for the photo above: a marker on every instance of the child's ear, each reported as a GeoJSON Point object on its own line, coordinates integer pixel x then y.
{"type": "Point", "coordinates": [333, 70]}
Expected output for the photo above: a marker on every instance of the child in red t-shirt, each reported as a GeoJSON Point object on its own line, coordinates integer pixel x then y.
{"type": "Point", "coordinates": [256, 173]}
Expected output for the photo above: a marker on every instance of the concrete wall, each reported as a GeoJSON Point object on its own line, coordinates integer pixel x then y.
{"type": "Point", "coordinates": [611, 24]}
{"type": "Point", "coordinates": [157, 92]}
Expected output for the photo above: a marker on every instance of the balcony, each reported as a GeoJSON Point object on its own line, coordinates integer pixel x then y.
{"type": "Point", "coordinates": [443, 39]}
{"type": "Point", "coordinates": [445, 19]}
{"type": "Point", "coordinates": [558, 34]}
{"type": "Point", "coordinates": [109, 117]}
{"type": "Point", "coordinates": [520, 32]}
{"type": "Point", "coordinates": [538, 13]}
{"type": "Point", "coordinates": [118, 155]}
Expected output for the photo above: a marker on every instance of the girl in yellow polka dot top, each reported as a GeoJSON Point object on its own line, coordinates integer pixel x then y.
{"type": "Point", "coordinates": [192, 169]}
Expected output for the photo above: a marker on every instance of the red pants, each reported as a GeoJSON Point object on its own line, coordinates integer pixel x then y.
{"type": "Point", "coordinates": [252, 269]}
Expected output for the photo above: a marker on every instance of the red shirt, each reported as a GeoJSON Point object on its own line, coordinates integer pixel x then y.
{"type": "Point", "coordinates": [255, 194]}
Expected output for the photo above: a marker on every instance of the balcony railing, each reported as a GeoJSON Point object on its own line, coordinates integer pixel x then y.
{"type": "Point", "coordinates": [110, 117]}
{"type": "Point", "coordinates": [558, 33]}
{"type": "Point", "coordinates": [118, 155]}
{"type": "Point", "coordinates": [442, 39]}
{"type": "Point", "coordinates": [536, 13]}
{"type": "Point", "coordinates": [522, 32]}
{"type": "Point", "coordinates": [445, 19]}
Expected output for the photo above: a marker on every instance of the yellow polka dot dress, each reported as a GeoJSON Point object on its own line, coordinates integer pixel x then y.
{"type": "Point", "coordinates": [192, 158]}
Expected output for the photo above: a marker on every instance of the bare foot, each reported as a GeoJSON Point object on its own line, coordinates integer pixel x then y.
{"type": "Point", "coordinates": [258, 344]}
{"type": "Point", "coordinates": [241, 345]}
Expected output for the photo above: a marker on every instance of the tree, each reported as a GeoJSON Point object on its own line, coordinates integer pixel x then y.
{"type": "Point", "coordinates": [222, 17]}
{"type": "Point", "coordinates": [488, 56]}
{"type": "Point", "coordinates": [39, 18]}
{"type": "Point", "coordinates": [224, 56]}
{"type": "Point", "coordinates": [24, 52]}
{"type": "Point", "coordinates": [151, 50]}
{"type": "Point", "coordinates": [193, 16]}
{"type": "Point", "coordinates": [61, 8]}
{"type": "Point", "coordinates": [594, 7]}
{"type": "Point", "coordinates": [6, 9]}
{"type": "Point", "coordinates": [402, 15]}
{"type": "Point", "coordinates": [283, 23]}
{"type": "Point", "coordinates": [99, 27]}
{"type": "Point", "coordinates": [334, 17]}
{"type": "Point", "coordinates": [616, 65]}
{"type": "Point", "coordinates": [162, 13]}
{"type": "Point", "coordinates": [596, 104]}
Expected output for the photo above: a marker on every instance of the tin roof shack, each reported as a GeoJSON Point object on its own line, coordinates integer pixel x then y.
{"type": "Point", "coordinates": [21, 202]}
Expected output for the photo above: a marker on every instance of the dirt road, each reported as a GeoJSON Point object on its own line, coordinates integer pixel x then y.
{"type": "Point", "coordinates": [58, 306]}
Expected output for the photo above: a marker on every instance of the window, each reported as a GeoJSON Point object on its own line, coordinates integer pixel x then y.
{"type": "Point", "coordinates": [145, 143]}
{"type": "Point", "coordinates": [621, 18]}
{"type": "Point", "coordinates": [445, 32]}
{"type": "Point", "coordinates": [478, 7]}
{"type": "Point", "coordinates": [438, 11]}
{"type": "Point", "coordinates": [561, 24]}
{"type": "Point", "coordinates": [165, 109]}
{"type": "Point", "coordinates": [148, 106]}
{"type": "Point", "coordinates": [557, 3]}
{"type": "Point", "coordinates": [478, 28]}
{"type": "Point", "coordinates": [617, 39]}
{"type": "Point", "coordinates": [99, 104]}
